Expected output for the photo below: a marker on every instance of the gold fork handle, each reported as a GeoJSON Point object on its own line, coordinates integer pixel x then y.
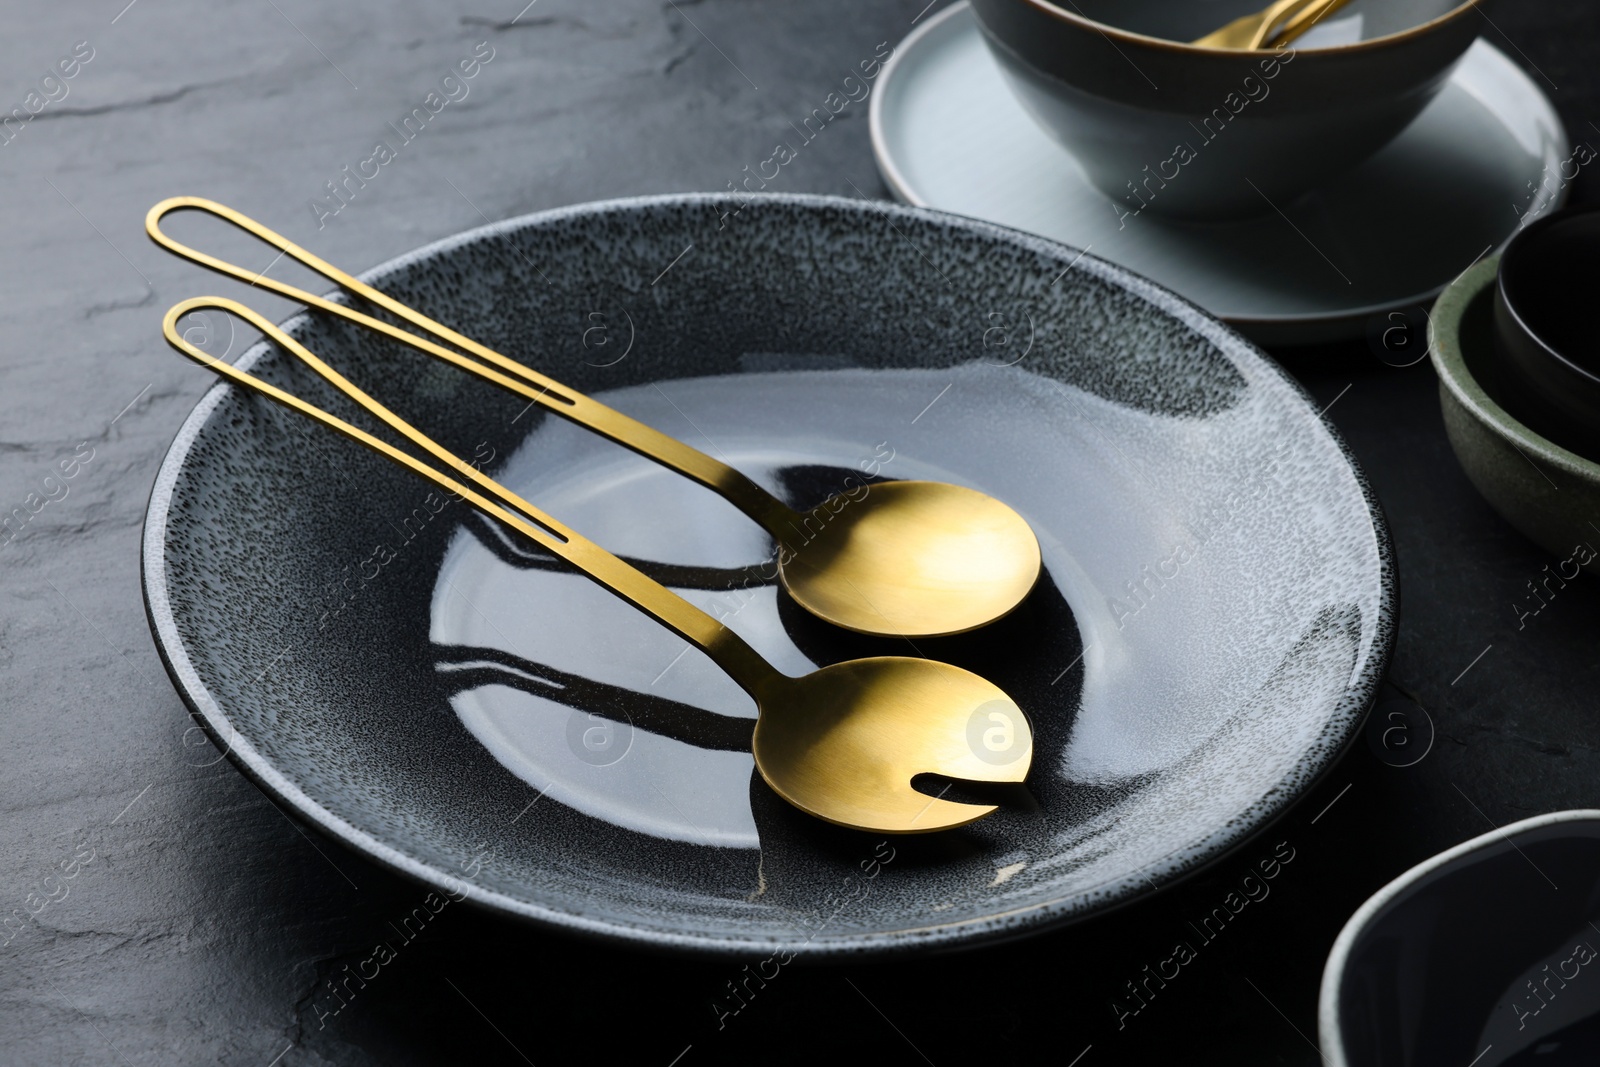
{"type": "Point", "coordinates": [773, 514]}
{"type": "Point", "coordinates": [726, 649]}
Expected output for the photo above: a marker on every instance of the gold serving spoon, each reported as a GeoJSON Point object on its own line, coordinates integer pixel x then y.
{"type": "Point", "coordinates": [841, 743]}
{"type": "Point", "coordinates": [1273, 27]}
{"type": "Point", "coordinates": [909, 558]}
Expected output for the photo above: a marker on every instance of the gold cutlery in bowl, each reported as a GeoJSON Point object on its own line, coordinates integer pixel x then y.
{"type": "Point", "coordinates": [841, 743]}
{"type": "Point", "coordinates": [1272, 27]}
{"type": "Point", "coordinates": [907, 558]}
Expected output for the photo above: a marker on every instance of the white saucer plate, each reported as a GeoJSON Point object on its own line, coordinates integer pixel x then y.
{"type": "Point", "coordinates": [1487, 156]}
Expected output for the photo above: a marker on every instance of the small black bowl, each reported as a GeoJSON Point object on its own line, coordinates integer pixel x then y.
{"type": "Point", "coordinates": [1546, 328]}
{"type": "Point", "coordinates": [1486, 954]}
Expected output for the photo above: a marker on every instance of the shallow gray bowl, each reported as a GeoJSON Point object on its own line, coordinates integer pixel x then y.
{"type": "Point", "coordinates": [476, 716]}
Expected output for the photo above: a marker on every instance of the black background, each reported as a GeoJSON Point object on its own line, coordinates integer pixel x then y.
{"type": "Point", "coordinates": [206, 920]}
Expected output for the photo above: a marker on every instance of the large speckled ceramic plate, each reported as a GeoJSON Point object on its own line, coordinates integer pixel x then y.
{"type": "Point", "coordinates": [1216, 610]}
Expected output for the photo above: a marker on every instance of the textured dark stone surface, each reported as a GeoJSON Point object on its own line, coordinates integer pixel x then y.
{"type": "Point", "coordinates": [205, 924]}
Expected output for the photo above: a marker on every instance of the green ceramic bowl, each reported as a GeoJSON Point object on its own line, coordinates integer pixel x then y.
{"type": "Point", "coordinates": [1550, 494]}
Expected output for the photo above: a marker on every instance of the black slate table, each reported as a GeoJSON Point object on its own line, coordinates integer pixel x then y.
{"type": "Point", "coordinates": [201, 922]}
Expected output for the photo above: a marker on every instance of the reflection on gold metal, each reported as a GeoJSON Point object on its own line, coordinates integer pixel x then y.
{"type": "Point", "coordinates": [919, 560]}
{"type": "Point", "coordinates": [841, 743]}
{"type": "Point", "coordinates": [1272, 27]}
{"type": "Point", "coordinates": [954, 552]}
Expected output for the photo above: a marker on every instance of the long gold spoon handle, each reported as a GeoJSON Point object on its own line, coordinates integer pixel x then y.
{"type": "Point", "coordinates": [774, 515]}
{"type": "Point", "coordinates": [726, 648]}
{"type": "Point", "coordinates": [1248, 31]}
{"type": "Point", "coordinates": [1303, 21]}
{"type": "Point", "coordinates": [1278, 24]}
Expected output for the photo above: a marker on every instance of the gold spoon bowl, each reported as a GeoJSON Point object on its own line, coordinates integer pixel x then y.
{"type": "Point", "coordinates": [956, 555]}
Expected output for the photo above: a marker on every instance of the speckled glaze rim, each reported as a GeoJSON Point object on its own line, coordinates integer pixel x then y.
{"type": "Point", "coordinates": [1329, 1035]}
{"type": "Point", "coordinates": [1340, 730]}
{"type": "Point", "coordinates": [1342, 321]}
{"type": "Point", "coordinates": [1444, 349]}
{"type": "Point", "coordinates": [1388, 40]}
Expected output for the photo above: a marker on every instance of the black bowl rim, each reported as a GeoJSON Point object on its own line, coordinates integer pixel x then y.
{"type": "Point", "coordinates": [1517, 247]}
{"type": "Point", "coordinates": [1345, 723]}
{"type": "Point", "coordinates": [1388, 40]}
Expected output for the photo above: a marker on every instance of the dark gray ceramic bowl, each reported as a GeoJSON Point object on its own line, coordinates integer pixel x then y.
{"type": "Point", "coordinates": [1486, 955]}
{"type": "Point", "coordinates": [1544, 325]}
{"type": "Point", "coordinates": [1193, 132]}
{"type": "Point", "coordinates": [1548, 492]}
{"type": "Point", "coordinates": [1216, 612]}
